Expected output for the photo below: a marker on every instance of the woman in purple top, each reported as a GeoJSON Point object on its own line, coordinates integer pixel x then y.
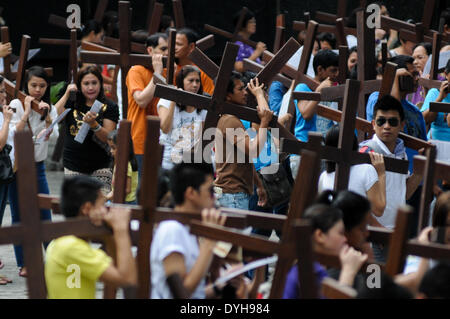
{"type": "Point", "coordinates": [421, 53]}
{"type": "Point", "coordinates": [328, 237]}
{"type": "Point", "coordinates": [245, 50]}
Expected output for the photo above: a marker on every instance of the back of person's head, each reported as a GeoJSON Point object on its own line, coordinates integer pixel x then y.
{"type": "Point", "coordinates": [332, 139]}
{"type": "Point", "coordinates": [139, 36]}
{"type": "Point", "coordinates": [247, 76]}
{"type": "Point", "coordinates": [165, 23]}
{"type": "Point", "coordinates": [436, 282]}
{"type": "Point", "coordinates": [353, 206]}
{"type": "Point", "coordinates": [389, 103]}
{"type": "Point", "coordinates": [190, 34]}
{"type": "Point", "coordinates": [402, 61]}
{"type": "Point", "coordinates": [426, 45]}
{"type": "Point", "coordinates": [234, 76]}
{"type": "Point", "coordinates": [327, 37]}
{"type": "Point", "coordinates": [184, 175]}
{"type": "Point", "coordinates": [248, 16]}
{"type": "Point", "coordinates": [387, 289]}
{"type": "Point", "coordinates": [441, 210]}
{"type": "Point", "coordinates": [325, 59]}
{"type": "Point", "coordinates": [76, 191]}
{"type": "Point", "coordinates": [322, 216]}
{"type": "Point", "coordinates": [90, 26]}
{"type": "Point", "coordinates": [446, 16]}
{"type": "Point", "coordinates": [153, 40]}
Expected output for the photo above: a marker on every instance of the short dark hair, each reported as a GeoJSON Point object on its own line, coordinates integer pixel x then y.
{"type": "Point", "coordinates": [323, 216]}
{"type": "Point", "coordinates": [184, 175]}
{"type": "Point", "coordinates": [234, 76]}
{"type": "Point", "coordinates": [327, 37]}
{"type": "Point", "coordinates": [426, 45]}
{"type": "Point", "coordinates": [436, 282]}
{"type": "Point", "coordinates": [332, 139]}
{"type": "Point", "coordinates": [165, 22]}
{"type": "Point", "coordinates": [388, 103]}
{"type": "Point", "coordinates": [139, 36]}
{"type": "Point", "coordinates": [402, 61]}
{"type": "Point", "coordinates": [325, 59]}
{"type": "Point", "coordinates": [90, 26]}
{"type": "Point", "coordinates": [76, 191]}
{"type": "Point", "coordinates": [153, 40]}
{"type": "Point", "coordinates": [353, 206]}
{"type": "Point", "coordinates": [190, 34]}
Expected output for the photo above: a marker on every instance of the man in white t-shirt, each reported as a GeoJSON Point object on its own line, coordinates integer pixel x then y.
{"type": "Point", "coordinates": [388, 122]}
{"type": "Point", "coordinates": [174, 249]}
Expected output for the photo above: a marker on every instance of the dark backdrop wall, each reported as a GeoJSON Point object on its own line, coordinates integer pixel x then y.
{"type": "Point", "coordinates": [30, 17]}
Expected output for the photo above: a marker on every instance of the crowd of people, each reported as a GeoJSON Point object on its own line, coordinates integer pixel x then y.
{"type": "Point", "coordinates": [340, 220]}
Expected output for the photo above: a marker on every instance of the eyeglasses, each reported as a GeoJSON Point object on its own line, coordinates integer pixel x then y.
{"type": "Point", "coordinates": [393, 121]}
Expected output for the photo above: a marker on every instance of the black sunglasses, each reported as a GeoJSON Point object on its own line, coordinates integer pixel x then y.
{"type": "Point", "coordinates": [393, 121]}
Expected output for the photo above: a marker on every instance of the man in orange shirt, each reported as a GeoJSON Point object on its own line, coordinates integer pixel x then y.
{"type": "Point", "coordinates": [184, 45]}
{"type": "Point", "coordinates": [141, 89]}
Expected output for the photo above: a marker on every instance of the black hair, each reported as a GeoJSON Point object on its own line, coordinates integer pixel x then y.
{"type": "Point", "coordinates": [112, 136]}
{"type": "Point", "coordinates": [388, 103]}
{"type": "Point", "coordinates": [190, 34]}
{"type": "Point", "coordinates": [436, 282]}
{"type": "Point", "coordinates": [441, 210]}
{"type": "Point", "coordinates": [353, 206]}
{"type": "Point", "coordinates": [323, 216]}
{"type": "Point", "coordinates": [352, 49]}
{"type": "Point", "coordinates": [234, 76]}
{"type": "Point", "coordinates": [1, 79]}
{"type": "Point", "coordinates": [325, 59]}
{"type": "Point", "coordinates": [447, 67]}
{"type": "Point", "coordinates": [90, 26]}
{"type": "Point", "coordinates": [184, 175]}
{"type": "Point", "coordinates": [76, 191]}
{"type": "Point", "coordinates": [90, 69]}
{"type": "Point", "coordinates": [426, 45]}
{"type": "Point", "coordinates": [153, 40]}
{"type": "Point", "coordinates": [388, 290]}
{"type": "Point", "coordinates": [402, 61]}
{"type": "Point", "coordinates": [248, 16]}
{"type": "Point", "coordinates": [165, 23]}
{"type": "Point", "coordinates": [179, 81]}
{"type": "Point", "coordinates": [327, 37]}
{"type": "Point", "coordinates": [332, 139]}
{"type": "Point", "coordinates": [446, 16]}
{"type": "Point", "coordinates": [247, 76]}
{"type": "Point", "coordinates": [38, 72]}
{"type": "Point", "coordinates": [353, 74]}
{"type": "Point", "coordinates": [164, 187]}
{"type": "Point", "coordinates": [139, 36]}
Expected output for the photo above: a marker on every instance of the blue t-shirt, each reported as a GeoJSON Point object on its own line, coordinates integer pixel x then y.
{"type": "Point", "coordinates": [302, 126]}
{"type": "Point", "coordinates": [276, 93]}
{"type": "Point", "coordinates": [439, 128]}
{"type": "Point", "coordinates": [414, 122]}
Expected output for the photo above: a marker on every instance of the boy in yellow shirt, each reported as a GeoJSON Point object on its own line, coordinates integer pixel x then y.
{"type": "Point", "coordinates": [72, 266]}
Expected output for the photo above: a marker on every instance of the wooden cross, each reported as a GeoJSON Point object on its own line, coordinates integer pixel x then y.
{"type": "Point", "coordinates": [98, 17]}
{"type": "Point", "coordinates": [124, 58]}
{"type": "Point", "coordinates": [279, 33]}
{"type": "Point", "coordinates": [217, 105]}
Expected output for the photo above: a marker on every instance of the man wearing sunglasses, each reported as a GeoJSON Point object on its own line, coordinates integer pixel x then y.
{"type": "Point", "coordinates": [406, 82]}
{"type": "Point", "coordinates": [388, 122]}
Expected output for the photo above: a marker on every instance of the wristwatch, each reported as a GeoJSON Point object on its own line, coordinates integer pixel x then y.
{"type": "Point", "coordinates": [97, 128]}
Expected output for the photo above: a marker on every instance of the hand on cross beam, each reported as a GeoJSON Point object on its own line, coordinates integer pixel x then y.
{"type": "Point", "coordinates": [5, 49]}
